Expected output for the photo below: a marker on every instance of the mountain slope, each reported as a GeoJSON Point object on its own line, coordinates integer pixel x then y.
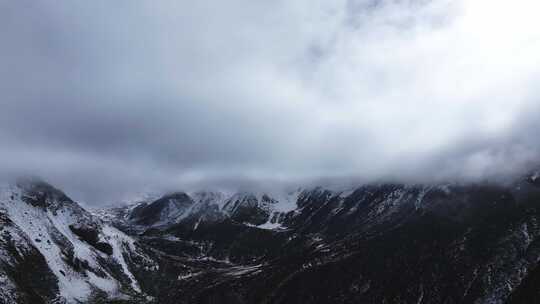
{"type": "Point", "coordinates": [252, 208]}
{"type": "Point", "coordinates": [380, 243]}
{"type": "Point", "coordinates": [77, 256]}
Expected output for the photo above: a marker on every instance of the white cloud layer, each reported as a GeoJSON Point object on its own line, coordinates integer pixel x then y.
{"type": "Point", "coordinates": [106, 97]}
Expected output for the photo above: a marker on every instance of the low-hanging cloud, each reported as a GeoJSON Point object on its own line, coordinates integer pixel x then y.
{"type": "Point", "coordinates": [108, 98]}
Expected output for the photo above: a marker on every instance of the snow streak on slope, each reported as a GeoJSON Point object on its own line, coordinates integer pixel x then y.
{"type": "Point", "coordinates": [119, 242]}
{"type": "Point", "coordinates": [48, 230]}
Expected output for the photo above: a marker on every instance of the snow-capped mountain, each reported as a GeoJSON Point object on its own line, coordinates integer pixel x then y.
{"type": "Point", "coordinates": [376, 243]}
{"type": "Point", "coordinates": [261, 209]}
{"type": "Point", "coordinates": [72, 256]}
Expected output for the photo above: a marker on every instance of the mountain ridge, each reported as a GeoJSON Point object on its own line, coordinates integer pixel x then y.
{"type": "Point", "coordinates": [376, 243]}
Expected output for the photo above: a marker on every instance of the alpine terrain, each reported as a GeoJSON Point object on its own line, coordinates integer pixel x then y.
{"type": "Point", "coordinates": [375, 243]}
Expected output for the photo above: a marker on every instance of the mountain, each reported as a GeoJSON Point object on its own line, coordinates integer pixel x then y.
{"type": "Point", "coordinates": [377, 243]}
{"type": "Point", "coordinates": [54, 251]}
{"type": "Point", "coordinates": [374, 243]}
{"type": "Point", "coordinates": [260, 209]}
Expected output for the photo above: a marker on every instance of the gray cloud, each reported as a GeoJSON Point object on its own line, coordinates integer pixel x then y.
{"type": "Point", "coordinates": [110, 98]}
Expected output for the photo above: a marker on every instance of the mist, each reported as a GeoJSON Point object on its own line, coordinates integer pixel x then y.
{"type": "Point", "coordinates": [110, 99]}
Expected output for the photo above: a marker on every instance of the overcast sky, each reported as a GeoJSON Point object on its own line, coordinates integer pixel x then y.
{"type": "Point", "coordinates": [110, 98]}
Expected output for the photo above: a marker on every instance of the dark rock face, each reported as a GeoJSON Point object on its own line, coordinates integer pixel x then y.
{"type": "Point", "coordinates": [231, 241]}
{"type": "Point", "coordinates": [528, 291]}
{"type": "Point", "coordinates": [90, 235]}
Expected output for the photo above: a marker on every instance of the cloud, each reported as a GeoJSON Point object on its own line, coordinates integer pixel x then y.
{"type": "Point", "coordinates": [109, 98]}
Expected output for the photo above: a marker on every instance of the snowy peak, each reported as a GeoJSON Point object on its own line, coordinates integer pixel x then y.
{"type": "Point", "coordinates": [164, 210]}
{"type": "Point", "coordinates": [40, 194]}
{"type": "Point", "coordinates": [251, 208]}
{"type": "Point", "coordinates": [261, 209]}
{"type": "Point", "coordinates": [210, 198]}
